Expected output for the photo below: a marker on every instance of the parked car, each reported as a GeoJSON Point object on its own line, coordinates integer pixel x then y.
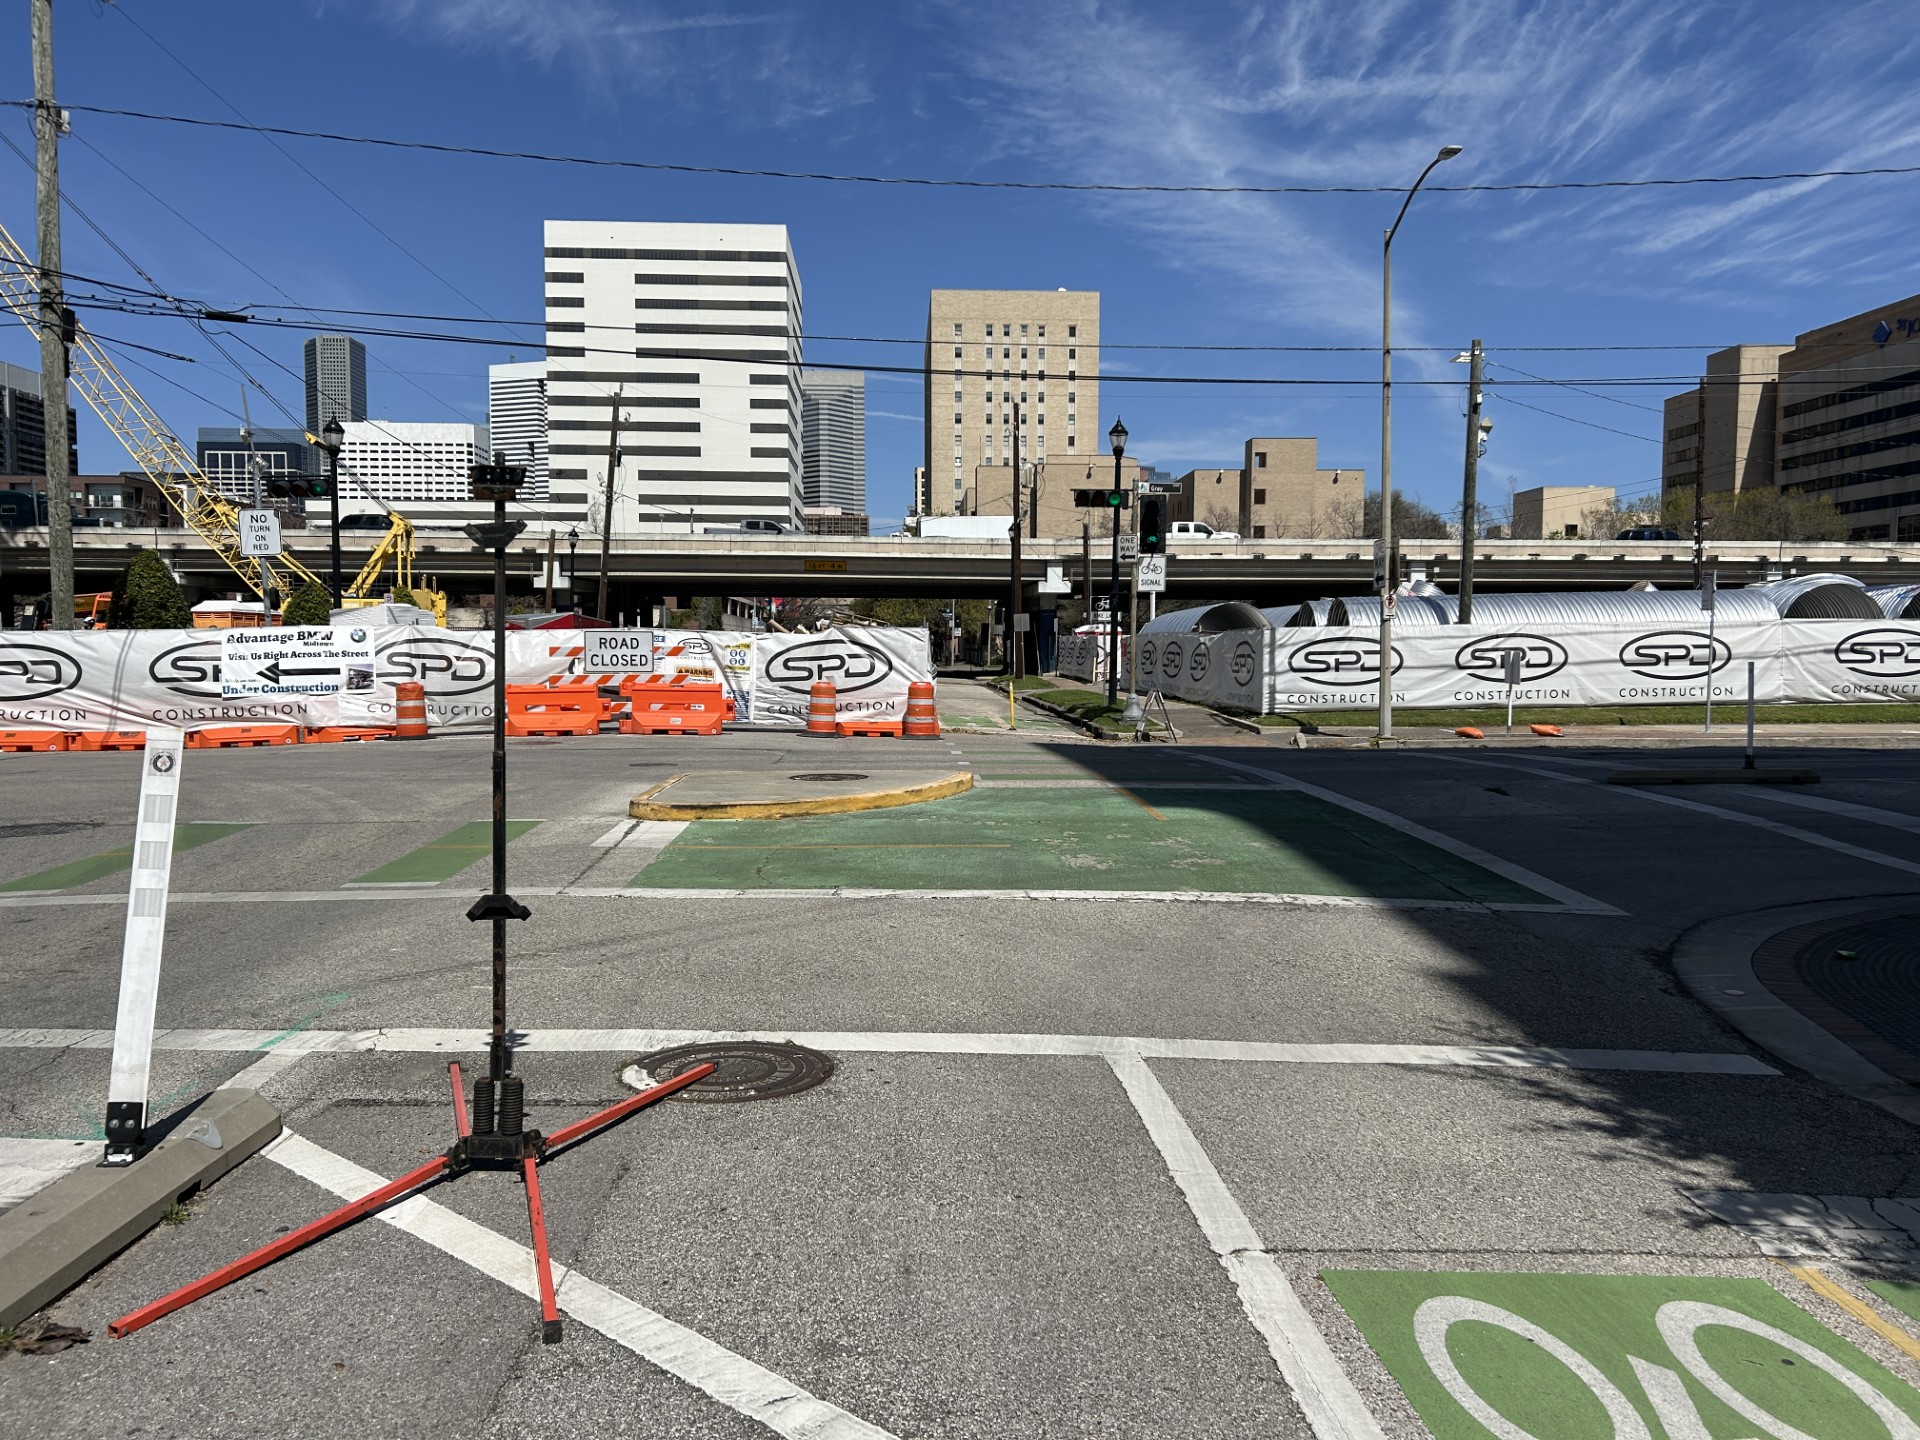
{"type": "Point", "coordinates": [751, 527]}
{"type": "Point", "coordinates": [1648, 532]}
{"type": "Point", "coordinates": [1195, 530]}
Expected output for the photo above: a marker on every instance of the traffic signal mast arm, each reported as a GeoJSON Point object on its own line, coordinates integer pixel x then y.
{"type": "Point", "coordinates": [154, 448]}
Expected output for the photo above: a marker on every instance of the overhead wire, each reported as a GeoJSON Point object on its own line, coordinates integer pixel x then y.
{"type": "Point", "coordinates": [939, 182]}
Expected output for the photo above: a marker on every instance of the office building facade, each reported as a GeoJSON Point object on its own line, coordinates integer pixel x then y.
{"type": "Point", "coordinates": [833, 440]}
{"type": "Point", "coordinates": [23, 425]}
{"type": "Point", "coordinates": [225, 456]}
{"type": "Point", "coordinates": [1832, 415]}
{"type": "Point", "coordinates": [988, 350]}
{"type": "Point", "coordinates": [517, 420]}
{"type": "Point", "coordinates": [1280, 490]}
{"type": "Point", "coordinates": [336, 380]}
{"type": "Point", "coordinates": [687, 337]}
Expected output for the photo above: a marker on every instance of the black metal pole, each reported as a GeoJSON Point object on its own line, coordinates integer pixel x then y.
{"type": "Point", "coordinates": [497, 1058]}
{"type": "Point", "coordinates": [1016, 652]}
{"type": "Point", "coordinates": [333, 500]}
{"type": "Point", "coordinates": [1113, 592]}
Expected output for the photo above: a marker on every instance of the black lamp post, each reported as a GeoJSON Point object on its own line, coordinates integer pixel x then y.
{"type": "Point", "coordinates": [573, 545]}
{"type": "Point", "coordinates": [1117, 436]}
{"type": "Point", "coordinates": [332, 435]}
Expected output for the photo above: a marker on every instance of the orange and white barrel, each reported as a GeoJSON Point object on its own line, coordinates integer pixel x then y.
{"type": "Point", "coordinates": [410, 710]}
{"type": "Point", "coordinates": [823, 708]}
{"type": "Point", "coordinates": [923, 721]}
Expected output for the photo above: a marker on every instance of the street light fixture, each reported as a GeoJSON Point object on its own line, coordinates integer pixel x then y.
{"type": "Point", "coordinates": [573, 592]}
{"type": "Point", "coordinates": [1387, 577]}
{"type": "Point", "coordinates": [332, 435]}
{"type": "Point", "coordinates": [1117, 437]}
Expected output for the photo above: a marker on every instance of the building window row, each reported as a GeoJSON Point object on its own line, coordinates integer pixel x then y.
{"type": "Point", "coordinates": [1851, 422]}
{"type": "Point", "coordinates": [566, 277]}
{"type": "Point", "coordinates": [1848, 452]}
{"type": "Point", "coordinates": [1849, 395]}
{"type": "Point", "coordinates": [678, 302]}
{"type": "Point", "coordinates": [770, 280]}
{"type": "Point", "coordinates": [578, 252]}
{"type": "Point", "coordinates": [1681, 432]}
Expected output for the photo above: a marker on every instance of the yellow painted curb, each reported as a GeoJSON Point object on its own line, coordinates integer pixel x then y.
{"type": "Point", "coordinates": [645, 807]}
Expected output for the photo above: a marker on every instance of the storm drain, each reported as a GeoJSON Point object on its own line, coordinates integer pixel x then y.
{"type": "Point", "coordinates": [744, 1070]}
{"type": "Point", "coordinates": [828, 778]}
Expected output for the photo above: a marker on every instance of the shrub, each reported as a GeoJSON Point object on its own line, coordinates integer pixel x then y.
{"type": "Point", "coordinates": [149, 598]}
{"type": "Point", "coordinates": [311, 604]}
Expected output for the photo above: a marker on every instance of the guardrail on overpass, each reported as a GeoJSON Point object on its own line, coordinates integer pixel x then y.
{"type": "Point", "coordinates": [1261, 571]}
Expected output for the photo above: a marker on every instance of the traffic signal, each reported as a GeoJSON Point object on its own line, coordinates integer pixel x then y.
{"type": "Point", "coordinates": [1102, 499]}
{"type": "Point", "coordinates": [283, 486]}
{"type": "Point", "coordinates": [1153, 525]}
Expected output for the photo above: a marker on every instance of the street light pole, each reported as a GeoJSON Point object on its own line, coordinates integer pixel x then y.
{"type": "Point", "coordinates": [573, 590]}
{"type": "Point", "coordinates": [1117, 436]}
{"type": "Point", "coordinates": [1447, 152]}
{"type": "Point", "coordinates": [1470, 477]}
{"type": "Point", "coordinates": [334, 434]}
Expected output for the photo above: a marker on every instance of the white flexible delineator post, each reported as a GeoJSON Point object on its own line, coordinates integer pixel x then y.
{"type": "Point", "coordinates": [140, 952]}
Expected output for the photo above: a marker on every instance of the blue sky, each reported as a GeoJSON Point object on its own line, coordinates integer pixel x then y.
{"type": "Point", "coordinates": [1356, 92]}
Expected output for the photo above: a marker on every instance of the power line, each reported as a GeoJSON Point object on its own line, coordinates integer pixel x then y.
{"type": "Point", "coordinates": [1575, 421]}
{"type": "Point", "coordinates": [601, 162]}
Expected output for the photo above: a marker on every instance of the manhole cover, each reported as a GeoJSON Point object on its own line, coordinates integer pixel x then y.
{"type": "Point", "coordinates": [827, 777]}
{"type": "Point", "coordinates": [746, 1070]}
{"type": "Point", "coordinates": [45, 827]}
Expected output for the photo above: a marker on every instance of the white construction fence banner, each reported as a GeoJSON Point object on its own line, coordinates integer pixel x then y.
{"type": "Point", "coordinates": [870, 670]}
{"type": "Point", "coordinates": [1338, 668]}
{"type": "Point", "coordinates": [133, 679]}
{"type": "Point", "coordinates": [1083, 657]}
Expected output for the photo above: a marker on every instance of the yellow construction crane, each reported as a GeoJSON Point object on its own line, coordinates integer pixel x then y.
{"type": "Point", "coordinates": [173, 470]}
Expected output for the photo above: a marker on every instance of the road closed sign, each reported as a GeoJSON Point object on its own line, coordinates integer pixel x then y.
{"type": "Point", "coordinates": [617, 652]}
{"type": "Point", "coordinates": [299, 660]}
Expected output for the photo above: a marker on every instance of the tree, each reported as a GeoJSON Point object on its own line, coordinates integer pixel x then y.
{"type": "Point", "coordinates": [403, 596]}
{"type": "Point", "coordinates": [311, 604]}
{"type": "Point", "coordinates": [149, 598]}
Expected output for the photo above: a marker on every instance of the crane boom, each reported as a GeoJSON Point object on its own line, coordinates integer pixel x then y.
{"type": "Point", "coordinates": [154, 448]}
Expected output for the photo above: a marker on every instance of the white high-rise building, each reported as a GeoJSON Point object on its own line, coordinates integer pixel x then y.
{"type": "Point", "coordinates": [833, 439]}
{"type": "Point", "coordinates": [517, 420]}
{"type": "Point", "coordinates": [404, 460]}
{"type": "Point", "coordinates": [696, 329]}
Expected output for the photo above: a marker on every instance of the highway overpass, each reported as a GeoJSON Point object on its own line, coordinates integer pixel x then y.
{"type": "Point", "coordinates": [1265, 572]}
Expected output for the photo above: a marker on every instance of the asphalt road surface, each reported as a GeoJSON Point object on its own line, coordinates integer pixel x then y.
{"type": "Point", "coordinates": [1180, 1091]}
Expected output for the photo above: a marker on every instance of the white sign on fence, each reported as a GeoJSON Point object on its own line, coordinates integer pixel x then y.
{"type": "Point", "coordinates": [259, 533]}
{"type": "Point", "coordinates": [302, 660]}
{"type": "Point", "coordinates": [1151, 578]}
{"type": "Point", "coordinates": [614, 652]}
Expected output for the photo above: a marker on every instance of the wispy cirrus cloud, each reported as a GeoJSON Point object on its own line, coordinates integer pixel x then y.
{"type": "Point", "coordinates": [753, 66]}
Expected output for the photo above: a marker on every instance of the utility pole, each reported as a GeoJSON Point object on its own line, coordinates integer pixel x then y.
{"type": "Point", "coordinates": [606, 519]}
{"type": "Point", "coordinates": [1700, 488]}
{"type": "Point", "coordinates": [1469, 485]}
{"type": "Point", "coordinates": [53, 338]}
{"type": "Point", "coordinates": [1016, 652]}
{"type": "Point", "coordinates": [549, 572]}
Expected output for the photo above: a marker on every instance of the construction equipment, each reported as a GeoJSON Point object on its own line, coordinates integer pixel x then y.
{"type": "Point", "coordinates": [171, 466]}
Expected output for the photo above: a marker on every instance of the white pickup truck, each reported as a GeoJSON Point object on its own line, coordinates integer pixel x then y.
{"type": "Point", "coordinates": [1193, 531]}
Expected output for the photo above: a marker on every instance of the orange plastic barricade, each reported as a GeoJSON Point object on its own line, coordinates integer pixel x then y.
{"type": "Point", "coordinates": [410, 710]}
{"type": "Point", "coordinates": [823, 706]}
{"type": "Point", "coordinates": [553, 709]}
{"type": "Point", "coordinates": [675, 705]}
{"type": "Point", "coordinates": [1544, 729]}
{"type": "Point", "coordinates": [1470, 732]}
{"type": "Point", "coordinates": [328, 734]}
{"type": "Point", "coordinates": [879, 726]}
{"type": "Point", "coordinates": [923, 721]}
{"type": "Point", "coordinates": [107, 740]}
{"type": "Point", "coordinates": [24, 740]}
{"type": "Point", "coordinates": [242, 737]}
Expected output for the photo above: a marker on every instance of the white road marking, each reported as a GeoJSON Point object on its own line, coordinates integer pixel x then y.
{"type": "Point", "coordinates": [654, 834]}
{"type": "Point", "coordinates": [614, 836]}
{"type": "Point", "coordinates": [29, 1165]}
{"type": "Point", "coordinates": [1891, 819]}
{"type": "Point", "coordinates": [424, 1040]}
{"type": "Point", "coordinates": [717, 1372]}
{"type": "Point", "coordinates": [436, 894]}
{"type": "Point", "coordinates": [280, 1058]}
{"type": "Point", "coordinates": [1326, 1396]}
{"type": "Point", "coordinates": [1519, 874]}
{"type": "Point", "coordinates": [1759, 822]}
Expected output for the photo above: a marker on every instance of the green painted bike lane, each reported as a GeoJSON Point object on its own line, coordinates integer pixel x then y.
{"type": "Point", "coordinates": [444, 858]}
{"type": "Point", "coordinates": [1488, 1356]}
{"type": "Point", "coordinates": [188, 835]}
{"type": "Point", "coordinates": [1272, 842]}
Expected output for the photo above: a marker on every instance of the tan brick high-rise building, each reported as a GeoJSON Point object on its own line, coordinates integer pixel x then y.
{"type": "Point", "coordinates": [988, 350]}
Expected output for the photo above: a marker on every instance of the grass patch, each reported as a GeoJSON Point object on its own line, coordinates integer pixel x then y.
{"type": "Point", "coordinates": [175, 1214]}
{"type": "Point", "coordinates": [1089, 705]}
{"type": "Point", "coordinates": [1730, 713]}
{"type": "Point", "coordinates": [1024, 683]}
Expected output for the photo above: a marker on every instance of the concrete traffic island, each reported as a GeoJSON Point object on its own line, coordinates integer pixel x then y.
{"type": "Point", "coordinates": [825, 789]}
{"type": "Point", "coordinates": [52, 1241]}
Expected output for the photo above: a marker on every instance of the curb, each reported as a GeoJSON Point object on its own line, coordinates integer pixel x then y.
{"type": "Point", "coordinates": [645, 807]}
{"type": "Point", "coordinates": [1718, 956]}
{"type": "Point", "coordinates": [54, 1240]}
